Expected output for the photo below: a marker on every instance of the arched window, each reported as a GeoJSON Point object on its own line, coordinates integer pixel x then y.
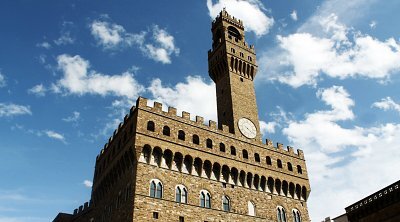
{"type": "Point", "coordinates": [222, 147]}
{"type": "Point", "coordinates": [166, 131]}
{"type": "Point", "coordinates": [196, 139]}
{"type": "Point", "coordinates": [289, 166]}
{"type": "Point", "coordinates": [156, 188]}
{"type": "Point", "coordinates": [226, 203]}
{"type": "Point", "coordinates": [299, 170]}
{"type": "Point", "coordinates": [268, 160]}
{"type": "Point", "coordinates": [150, 126]}
{"type": "Point", "coordinates": [233, 151]}
{"type": "Point", "coordinates": [181, 135]}
{"type": "Point", "coordinates": [205, 199]}
{"type": "Point", "coordinates": [181, 194]}
{"type": "Point", "coordinates": [296, 215]}
{"type": "Point", "coordinates": [281, 214]}
{"type": "Point", "coordinates": [257, 157]}
{"type": "Point", "coordinates": [251, 209]}
{"type": "Point", "coordinates": [279, 162]}
{"type": "Point", "coordinates": [209, 143]}
{"type": "Point", "coordinates": [245, 154]}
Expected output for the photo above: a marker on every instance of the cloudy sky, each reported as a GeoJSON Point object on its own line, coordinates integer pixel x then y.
{"type": "Point", "coordinates": [328, 83]}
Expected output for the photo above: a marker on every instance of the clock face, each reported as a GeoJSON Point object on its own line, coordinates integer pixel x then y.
{"type": "Point", "coordinates": [247, 128]}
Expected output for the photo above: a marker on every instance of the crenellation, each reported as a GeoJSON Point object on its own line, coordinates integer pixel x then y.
{"type": "Point", "coordinates": [185, 115]}
{"type": "Point", "coordinates": [225, 128]}
{"type": "Point", "coordinates": [269, 142]}
{"type": "Point", "coordinates": [212, 124]}
{"type": "Point", "coordinates": [300, 153]}
{"type": "Point", "coordinates": [157, 107]}
{"type": "Point", "coordinates": [279, 146]}
{"type": "Point", "coordinates": [126, 118]}
{"type": "Point", "coordinates": [199, 119]}
{"type": "Point", "coordinates": [172, 111]}
{"type": "Point", "coordinates": [132, 110]}
{"type": "Point", "coordinates": [141, 102]}
{"type": "Point", "coordinates": [290, 150]}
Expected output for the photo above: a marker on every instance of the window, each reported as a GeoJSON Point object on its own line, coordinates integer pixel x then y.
{"type": "Point", "coordinates": [196, 139]}
{"type": "Point", "coordinates": [181, 135]}
{"type": "Point", "coordinates": [209, 143]}
{"type": "Point", "coordinates": [251, 208]}
{"type": "Point", "coordinates": [245, 154]}
{"type": "Point", "coordinates": [205, 199]}
{"type": "Point", "coordinates": [155, 215]}
{"type": "Point", "coordinates": [296, 215]}
{"type": "Point", "coordinates": [181, 219]}
{"type": "Point", "coordinates": [156, 189]}
{"type": "Point", "coordinates": [232, 50]}
{"type": "Point", "coordinates": [150, 126]}
{"type": "Point", "coordinates": [166, 131]}
{"type": "Point", "coordinates": [222, 147]}
{"type": "Point", "coordinates": [289, 166]}
{"type": "Point", "coordinates": [181, 194]}
{"type": "Point", "coordinates": [249, 58]}
{"type": "Point", "coordinates": [279, 162]}
{"type": "Point", "coordinates": [268, 160]}
{"type": "Point", "coordinates": [299, 170]}
{"type": "Point", "coordinates": [280, 214]}
{"type": "Point", "coordinates": [233, 151]}
{"type": "Point", "coordinates": [257, 157]}
{"type": "Point", "coordinates": [226, 205]}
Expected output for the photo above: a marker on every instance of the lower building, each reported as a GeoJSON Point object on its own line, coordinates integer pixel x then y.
{"type": "Point", "coordinates": [382, 206]}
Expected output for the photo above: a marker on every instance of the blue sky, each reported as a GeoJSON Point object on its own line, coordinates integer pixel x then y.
{"type": "Point", "coordinates": [328, 83]}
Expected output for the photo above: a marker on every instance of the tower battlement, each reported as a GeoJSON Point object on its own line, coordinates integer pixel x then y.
{"type": "Point", "coordinates": [224, 15]}
{"type": "Point", "coordinates": [199, 121]}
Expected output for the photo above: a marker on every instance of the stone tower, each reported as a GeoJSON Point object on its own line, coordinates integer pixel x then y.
{"type": "Point", "coordinates": [159, 165]}
{"type": "Point", "coordinates": [232, 66]}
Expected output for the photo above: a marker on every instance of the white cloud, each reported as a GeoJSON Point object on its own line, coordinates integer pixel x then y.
{"type": "Point", "coordinates": [303, 58]}
{"type": "Point", "coordinates": [88, 183]}
{"type": "Point", "coordinates": [339, 158]}
{"type": "Point", "coordinates": [387, 104]}
{"type": "Point", "coordinates": [251, 12]}
{"type": "Point", "coordinates": [2, 80]}
{"type": "Point", "coordinates": [108, 35]}
{"type": "Point", "coordinates": [38, 90]}
{"type": "Point", "coordinates": [74, 118]}
{"type": "Point", "coordinates": [293, 15]}
{"type": "Point", "coordinates": [267, 127]}
{"type": "Point", "coordinates": [45, 45]}
{"type": "Point", "coordinates": [113, 36]}
{"type": "Point", "coordinates": [79, 79]}
{"type": "Point", "coordinates": [373, 24]}
{"type": "Point", "coordinates": [54, 135]}
{"type": "Point", "coordinates": [11, 109]}
{"type": "Point", "coordinates": [64, 39]}
{"type": "Point", "coordinates": [163, 48]}
{"type": "Point", "coordinates": [189, 96]}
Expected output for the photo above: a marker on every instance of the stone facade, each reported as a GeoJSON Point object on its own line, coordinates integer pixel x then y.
{"type": "Point", "coordinates": [246, 179]}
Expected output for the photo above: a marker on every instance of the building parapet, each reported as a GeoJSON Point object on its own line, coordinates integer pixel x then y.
{"type": "Point", "coordinates": [141, 103]}
{"type": "Point", "coordinates": [389, 190]}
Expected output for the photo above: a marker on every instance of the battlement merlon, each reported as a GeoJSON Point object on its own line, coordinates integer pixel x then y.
{"type": "Point", "coordinates": [224, 15]}
{"type": "Point", "coordinates": [142, 102]}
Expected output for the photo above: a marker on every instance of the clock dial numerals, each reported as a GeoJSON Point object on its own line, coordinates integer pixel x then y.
{"type": "Point", "coordinates": [247, 128]}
